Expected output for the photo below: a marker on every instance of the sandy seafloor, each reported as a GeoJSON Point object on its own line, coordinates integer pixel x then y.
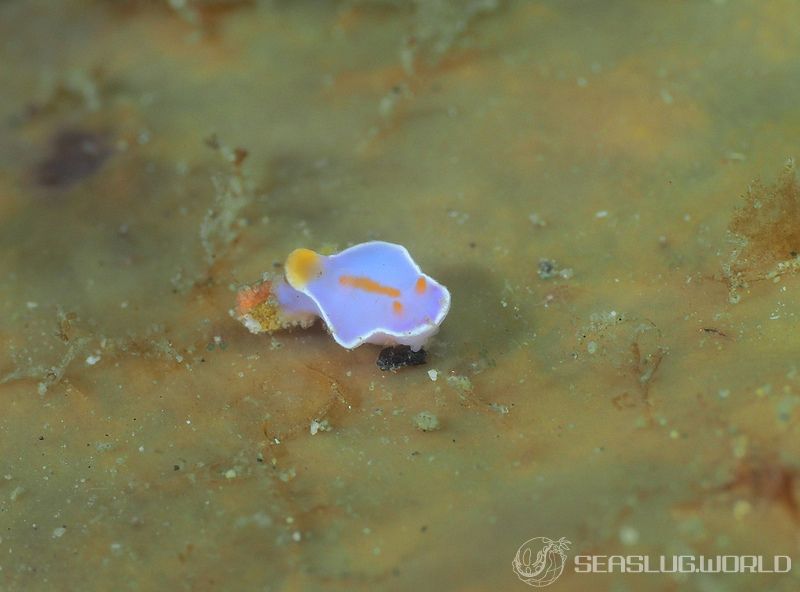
{"type": "Point", "coordinates": [149, 442]}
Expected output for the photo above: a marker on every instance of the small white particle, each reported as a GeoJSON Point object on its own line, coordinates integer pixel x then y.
{"type": "Point", "coordinates": [296, 536]}
{"type": "Point", "coordinates": [251, 324]}
{"type": "Point", "coordinates": [499, 408]}
{"type": "Point", "coordinates": [92, 360]}
{"type": "Point", "coordinates": [601, 214]}
{"type": "Point", "coordinates": [433, 374]}
{"type": "Point", "coordinates": [230, 474]}
{"type": "Point", "coordinates": [32, 305]}
{"type": "Point", "coordinates": [59, 532]}
{"type": "Point", "coordinates": [628, 535]}
{"type": "Point", "coordinates": [537, 220]}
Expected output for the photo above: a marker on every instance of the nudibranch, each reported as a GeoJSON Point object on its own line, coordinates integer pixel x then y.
{"type": "Point", "coordinates": [370, 293]}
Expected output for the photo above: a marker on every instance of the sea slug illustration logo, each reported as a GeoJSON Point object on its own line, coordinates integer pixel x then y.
{"type": "Point", "coordinates": [548, 565]}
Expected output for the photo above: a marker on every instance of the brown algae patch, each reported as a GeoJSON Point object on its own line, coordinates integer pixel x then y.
{"type": "Point", "coordinates": [765, 232]}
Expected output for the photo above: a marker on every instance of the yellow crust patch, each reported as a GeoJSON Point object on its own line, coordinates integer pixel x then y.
{"type": "Point", "coordinates": [368, 285]}
{"type": "Point", "coordinates": [421, 285]}
{"type": "Point", "coordinates": [397, 307]}
{"type": "Point", "coordinates": [302, 266]}
{"type": "Point", "coordinates": [268, 316]}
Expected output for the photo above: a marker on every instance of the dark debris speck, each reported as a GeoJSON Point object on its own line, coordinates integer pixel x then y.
{"type": "Point", "coordinates": [399, 356]}
{"type": "Point", "coordinates": [74, 155]}
{"type": "Point", "coordinates": [547, 268]}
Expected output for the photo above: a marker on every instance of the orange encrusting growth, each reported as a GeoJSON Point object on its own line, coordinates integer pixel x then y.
{"type": "Point", "coordinates": [251, 296]}
{"type": "Point", "coordinates": [256, 307]}
{"type": "Point", "coordinates": [421, 285]}
{"type": "Point", "coordinates": [397, 307]}
{"type": "Point", "coordinates": [368, 285]}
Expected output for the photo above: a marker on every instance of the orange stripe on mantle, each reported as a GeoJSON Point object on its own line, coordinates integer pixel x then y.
{"type": "Point", "coordinates": [368, 285]}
